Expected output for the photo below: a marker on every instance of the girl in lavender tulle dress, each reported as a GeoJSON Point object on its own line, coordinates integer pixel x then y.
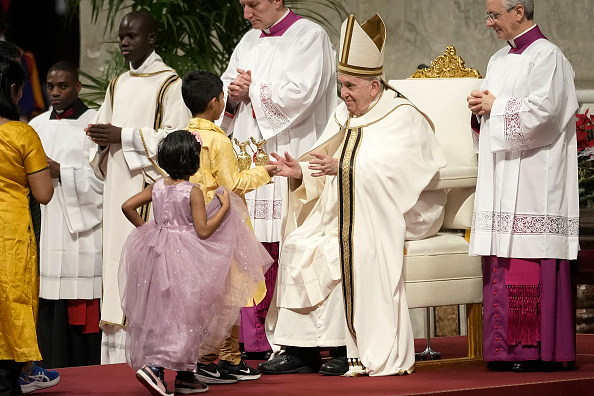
{"type": "Point", "coordinates": [185, 275]}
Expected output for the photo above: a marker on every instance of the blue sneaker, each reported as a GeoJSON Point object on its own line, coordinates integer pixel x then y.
{"type": "Point", "coordinates": [38, 378]}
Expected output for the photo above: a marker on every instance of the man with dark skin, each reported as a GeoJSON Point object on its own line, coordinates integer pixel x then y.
{"type": "Point", "coordinates": [137, 36]}
{"type": "Point", "coordinates": [141, 106]}
{"type": "Point", "coordinates": [62, 89]}
{"type": "Point", "coordinates": [70, 244]}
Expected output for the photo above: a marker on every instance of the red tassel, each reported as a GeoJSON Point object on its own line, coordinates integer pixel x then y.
{"type": "Point", "coordinates": [523, 322]}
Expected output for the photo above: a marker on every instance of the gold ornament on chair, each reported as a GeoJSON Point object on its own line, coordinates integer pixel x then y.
{"type": "Point", "coordinates": [448, 65]}
{"type": "Point", "coordinates": [243, 158]}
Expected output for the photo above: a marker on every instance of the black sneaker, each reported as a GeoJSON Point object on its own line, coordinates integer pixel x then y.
{"type": "Point", "coordinates": [240, 371]}
{"type": "Point", "coordinates": [209, 374]}
{"type": "Point", "coordinates": [186, 384]}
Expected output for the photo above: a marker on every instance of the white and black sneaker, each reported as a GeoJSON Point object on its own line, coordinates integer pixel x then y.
{"type": "Point", "coordinates": [153, 380]}
{"type": "Point", "coordinates": [210, 374]}
{"type": "Point", "coordinates": [186, 384]}
{"type": "Point", "coordinates": [241, 371]}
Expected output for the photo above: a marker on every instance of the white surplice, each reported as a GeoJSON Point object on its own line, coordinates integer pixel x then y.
{"type": "Point", "coordinates": [526, 203]}
{"type": "Point", "coordinates": [393, 155]}
{"type": "Point", "coordinates": [293, 93]}
{"type": "Point", "coordinates": [70, 243]}
{"type": "Point", "coordinates": [130, 165]}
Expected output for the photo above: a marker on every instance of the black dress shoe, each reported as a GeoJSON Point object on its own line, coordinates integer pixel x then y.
{"type": "Point", "coordinates": [256, 355]}
{"type": "Point", "coordinates": [336, 366]}
{"type": "Point", "coordinates": [286, 363]}
{"type": "Point", "coordinates": [500, 365]}
{"type": "Point", "coordinates": [533, 366]}
{"type": "Point", "coordinates": [551, 366]}
{"type": "Point", "coordinates": [527, 366]}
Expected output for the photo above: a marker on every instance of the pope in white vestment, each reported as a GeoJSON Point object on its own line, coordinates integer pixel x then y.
{"type": "Point", "coordinates": [526, 214]}
{"type": "Point", "coordinates": [356, 233]}
{"type": "Point", "coordinates": [340, 271]}
{"type": "Point", "coordinates": [147, 103]}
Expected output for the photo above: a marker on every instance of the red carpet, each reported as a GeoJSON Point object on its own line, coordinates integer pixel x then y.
{"type": "Point", "coordinates": [120, 380]}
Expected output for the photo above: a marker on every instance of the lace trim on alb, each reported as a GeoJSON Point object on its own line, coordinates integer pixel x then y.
{"type": "Point", "coordinates": [277, 120]}
{"type": "Point", "coordinates": [264, 209]}
{"type": "Point", "coordinates": [515, 140]}
{"type": "Point", "coordinates": [525, 224]}
{"type": "Point", "coordinates": [475, 140]}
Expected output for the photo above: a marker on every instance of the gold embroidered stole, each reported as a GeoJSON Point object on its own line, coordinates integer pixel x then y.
{"type": "Point", "coordinates": [346, 217]}
{"type": "Point", "coordinates": [346, 209]}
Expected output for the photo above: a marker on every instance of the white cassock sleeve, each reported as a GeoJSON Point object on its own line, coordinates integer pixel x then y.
{"type": "Point", "coordinates": [140, 144]}
{"type": "Point", "coordinates": [81, 195]}
{"type": "Point", "coordinates": [282, 103]}
{"type": "Point", "coordinates": [536, 119]}
{"type": "Point", "coordinates": [98, 156]}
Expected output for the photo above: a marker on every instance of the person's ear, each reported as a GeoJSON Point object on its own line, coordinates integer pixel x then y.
{"type": "Point", "coordinates": [152, 39]}
{"type": "Point", "coordinates": [213, 103]}
{"type": "Point", "coordinates": [14, 91]}
{"type": "Point", "coordinates": [78, 87]}
{"type": "Point", "coordinates": [519, 12]}
{"type": "Point", "coordinates": [375, 87]}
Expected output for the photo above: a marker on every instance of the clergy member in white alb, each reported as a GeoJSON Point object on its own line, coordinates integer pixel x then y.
{"type": "Point", "coordinates": [526, 206]}
{"type": "Point", "coordinates": [280, 86]}
{"type": "Point", "coordinates": [140, 108]}
{"type": "Point", "coordinates": [340, 271]}
{"type": "Point", "coordinates": [71, 240]}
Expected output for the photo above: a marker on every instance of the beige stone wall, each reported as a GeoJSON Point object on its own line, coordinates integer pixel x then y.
{"type": "Point", "coordinates": [96, 40]}
{"type": "Point", "coordinates": [420, 30]}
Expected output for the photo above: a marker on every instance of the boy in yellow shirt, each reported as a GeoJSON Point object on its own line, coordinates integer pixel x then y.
{"type": "Point", "coordinates": [203, 95]}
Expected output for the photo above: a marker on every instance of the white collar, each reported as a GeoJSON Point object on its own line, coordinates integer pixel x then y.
{"type": "Point", "coordinates": [267, 31]}
{"type": "Point", "coordinates": [512, 42]}
{"type": "Point", "coordinates": [153, 57]}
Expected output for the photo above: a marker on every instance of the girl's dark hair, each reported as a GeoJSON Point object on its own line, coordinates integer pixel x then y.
{"type": "Point", "coordinates": [11, 72]}
{"type": "Point", "coordinates": [179, 154]}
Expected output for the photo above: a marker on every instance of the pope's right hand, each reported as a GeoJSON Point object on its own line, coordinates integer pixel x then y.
{"type": "Point", "coordinates": [287, 166]}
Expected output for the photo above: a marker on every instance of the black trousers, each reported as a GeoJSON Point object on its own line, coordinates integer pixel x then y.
{"type": "Point", "coordinates": [9, 378]}
{"type": "Point", "coordinates": [61, 344]}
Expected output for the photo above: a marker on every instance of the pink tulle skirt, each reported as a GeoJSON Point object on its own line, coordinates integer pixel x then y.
{"type": "Point", "coordinates": [181, 294]}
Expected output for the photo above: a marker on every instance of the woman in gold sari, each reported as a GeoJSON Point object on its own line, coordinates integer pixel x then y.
{"type": "Point", "coordinates": [23, 168]}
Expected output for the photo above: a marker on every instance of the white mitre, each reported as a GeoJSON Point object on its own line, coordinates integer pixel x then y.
{"type": "Point", "coordinates": [362, 47]}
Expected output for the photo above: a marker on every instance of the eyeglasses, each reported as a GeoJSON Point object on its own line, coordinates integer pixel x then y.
{"type": "Point", "coordinates": [495, 17]}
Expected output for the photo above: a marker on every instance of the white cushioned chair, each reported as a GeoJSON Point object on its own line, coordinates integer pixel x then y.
{"type": "Point", "coordinates": [438, 270]}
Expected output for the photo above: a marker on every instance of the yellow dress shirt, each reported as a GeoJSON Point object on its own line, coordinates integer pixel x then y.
{"type": "Point", "coordinates": [219, 167]}
{"type": "Point", "coordinates": [218, 163]}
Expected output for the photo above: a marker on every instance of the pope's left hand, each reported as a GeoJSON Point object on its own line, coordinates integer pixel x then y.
{"type": "Point", "coordinates": [323, 165]}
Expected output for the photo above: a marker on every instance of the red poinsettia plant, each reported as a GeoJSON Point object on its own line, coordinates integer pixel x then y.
{"type": "Point", "coordinates": [585, 147]}
{"type": "Point", "coordinates": [585, 129]}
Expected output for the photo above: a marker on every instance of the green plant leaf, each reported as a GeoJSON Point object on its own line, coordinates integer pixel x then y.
{"type": "Point", "coordinates": [193, 34]}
